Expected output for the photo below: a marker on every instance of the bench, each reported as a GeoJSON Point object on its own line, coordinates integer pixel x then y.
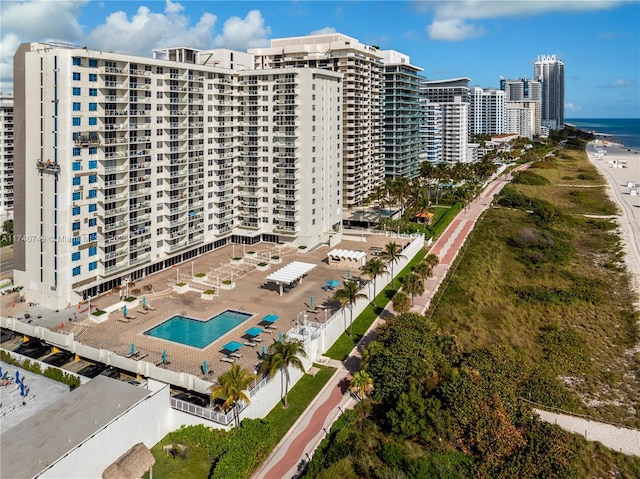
{"type": "Point", "coordinates": [228, 360]}
{"type": "Point", "coordinates": [250, 343]}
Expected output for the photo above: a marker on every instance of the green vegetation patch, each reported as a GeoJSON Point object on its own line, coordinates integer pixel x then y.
{"type": "Point", "coordinates": [529, 178]}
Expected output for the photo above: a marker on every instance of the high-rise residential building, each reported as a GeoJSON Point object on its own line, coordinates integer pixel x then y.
{"type": "Point", "coordinates": [523, 93]}
{"type": "Point", "coordinates": [433, 125]}
{"type": "Point", "coordinates": [452, 97]}
{"type": "Point", "coordinates": [486, 111]}
{"type": "Point", "coordinates": [520, 118]}
{"type": "Point", "coordinates": [550, 72]}
{"type": "Point", "coordinates": [6, 157]}
{"type": "Point", "coordinates": [404, 116]}
{"type": "Point", "coordinates": [361, 123]}
{"type": "Point", "coordinates": [128, 165]}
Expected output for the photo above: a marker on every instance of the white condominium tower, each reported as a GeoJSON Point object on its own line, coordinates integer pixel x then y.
{"type": "Point", "coordinates": [6, 158]}
{"type": "Point", "coordinates": [550, 72]}
{"type": "Point", "coordinates": [486, 111]}
{"type": "Point", "coordinates": [452, 98]}
{"type": "Point", "coordinates": [361, 111]}
{"type": "Point", "coordinates": [523, 103]}
{"type": "Point", "coordinates": [128, 165]}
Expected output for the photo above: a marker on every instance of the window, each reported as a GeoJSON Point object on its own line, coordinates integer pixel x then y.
{"type": "Point", "coordinates": [76, 152]}
{"type": "Point", "coordinates": [93, 194]}
{"type": "Point", "coordinates": [93, 62]}
{"type": "Point", "coordinates": [76, 211]}
{"type": "Point", "coordinates": [93, 92]}
{"type": "Point", "coordinates": [76, 76]}
{"type": "Point", "coordinates": [93, 107]}
{"type": "Point", "coordinates": [76, 226]}
{"type": "Point", "coordinates": [93, 178]}
{"type": "Point", "coordinates": [93, 164]}
{"type": "Point", "coordinates": [77, 91]}
{"type": "Point", "coordinates": [76, 106]}
{"type": "Point", "coordinates": [93, 207]}
{"type": "Point", "coordinates": [93, 77]}
{"type": "Point", "coordinates": [75, 256]}
{"type": "Point", "coordinates": [93, 150]}
{"type": "Point", "coordinates": [77, 61]}
{"type": "Point", "coordinates": [76, 166]}
{"type": "Point", "coordinates": [75, 241]}
{"type": "Point", "coordinates": [93, 251]}
{"type": "Point", "coordinates": [93, 121]}
{"type": "Point", "coordinates": [93, 265]}
{"type": "Point", "coordinates": [92, 222]}
{"type": "Point", "coordinates": [76, 121]}
{"type": "Point", "coordinates": [93, 236]}
{"type": "Point", "coordinates": [77, 196]}
{"type": "Point", "coordinates": [76, 181]}
{"type": "Point", "coordinates": [76, 270]}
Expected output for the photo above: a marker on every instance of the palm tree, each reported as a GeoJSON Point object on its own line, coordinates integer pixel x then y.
{"type": "Point", "coordinates": [424, 270]}
{"type": "Point", "coordinates": [414, 285]}
{"type": "Point", "coordinates": [232, 386]}
{"type": "Point", "coordinates": [391, 254]}
{"type": "Point", "coordinates": [280, 356]}
{"type": "Point", "coordinates": [432, 260]}
{"type": "Point", "coordinates": [401, 302]}
{"type": "Point", "coordinates": [349, 295]}
{"type": "Point", "coordinates": [373, 268]}
{"type": "Point", "coordinates": [361, 384]}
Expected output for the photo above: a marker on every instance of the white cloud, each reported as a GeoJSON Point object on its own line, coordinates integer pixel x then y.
{"type": "Point", "coordinates": [619, 83]}
{"type": "Point", "coordinates": [36, 20]}
{"type": "Point", "coordinates": [453, 29]}
{"type": "Point", "coordinates": [146, 30]}
{"type": "Point", "coordinates": [571, 107]}
{"type": "Point", "coordinates": [239, 34]}
{"type": "Point", "coordinates": [323, 31]}
{"type": "Point", "coordinates": [451, 19]}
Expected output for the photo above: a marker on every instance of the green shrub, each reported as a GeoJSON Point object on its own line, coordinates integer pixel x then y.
{"type": "Point", "coordinates": [529, 178]}
{"type": "Point", "coordinates": [302, 247]}
{"type": "Point", "coordinates": [200, 275]}
{"type": "Point", "coordinates": [226, 281]}
{"type": "Point", "coordinates": [275, 257]}
{"type": "Point", "coordinates": [565, 350]}
{"type": "Point", "coordinates": [181, 284]}
{"type": "Point", "coordinates": [209, 291]}
{"type": "Point", "coordinates": [237, 258]}
{"type": "Point", "coordinates": [98, 312]}
{"type": "Point", "coordinates": [262, 264]}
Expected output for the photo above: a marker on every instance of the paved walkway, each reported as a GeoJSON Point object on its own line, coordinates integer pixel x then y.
{"type": "Point", "coordinates": [305, 435]}
{"type": "Point", "coordinates": [621, 439]}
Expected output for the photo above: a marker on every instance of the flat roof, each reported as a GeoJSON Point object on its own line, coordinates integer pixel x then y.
{"type": "Point", "coordinates": [40, 440]}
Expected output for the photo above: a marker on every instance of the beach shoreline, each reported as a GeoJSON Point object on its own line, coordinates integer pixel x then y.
{"type": "Point", "coordinates": [621, 167]}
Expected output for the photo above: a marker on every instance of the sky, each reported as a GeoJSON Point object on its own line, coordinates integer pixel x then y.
{"type": "Point", "coordinates": [598, 40]}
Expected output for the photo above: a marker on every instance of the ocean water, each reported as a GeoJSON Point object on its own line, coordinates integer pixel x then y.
{"type": "Point", "coordinates": [624, 130]}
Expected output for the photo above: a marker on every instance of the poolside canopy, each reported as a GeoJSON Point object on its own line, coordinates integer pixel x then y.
{"type": "Point", "coordinates": [233, 346]}
{"type": "Point", "coordinates": [341, 254]}
{"type": "Point", "coordinates": [272, 318]}
{"type": "Point", "coordinates": [291, 273]}
{"type": "Point", "coordinates": [253, 332]}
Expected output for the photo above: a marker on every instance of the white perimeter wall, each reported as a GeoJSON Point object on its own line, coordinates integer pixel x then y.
{"type": "Point", "coordinates": [148, 421]}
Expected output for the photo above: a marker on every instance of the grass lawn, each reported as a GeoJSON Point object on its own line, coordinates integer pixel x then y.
{"type": "Point", "coordinates": [510, 286]}
{"type": "Point", "coordinates": [345, 343]}
{"type": "Point", "coordinates": [198, 463]}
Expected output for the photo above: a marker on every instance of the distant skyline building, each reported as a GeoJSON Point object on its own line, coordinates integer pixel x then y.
{"type": "Point", "coordinates": [452, 97]}
{"type": "Point", "coordinates": [523, 93]}
{"type": "Point", "coordinates": [128, 165]}
{"type": "Point", "coordinates": [361, 115]}
{"type": "Point", "coordinates": [486, 111]}
{"type": "Point", "coordinates": [550, 72]}
{"type": "Point", "coordinates": [6, 158]}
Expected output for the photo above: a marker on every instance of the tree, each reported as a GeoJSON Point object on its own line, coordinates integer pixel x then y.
{"type": "Point", "coordinates": [7, 227]}
{"type": "Point", "coordinates": [401, 302]}
{"type": "Point", "coordinates": [432, 260]}
{"type": "Point", "coordinates": [361, 384]}
{"type": "Point", "coordinates": [414, 285]}
{"type": "Point", "coordinates": [349, 294]}
{"type": "Point", "coordinates": [373, 268]}
{"type": "Point", "coordinates": [280, 356]}
{"type": "Point", "coordinates": [391, 254]}
{"type": "Point", "coordinates": [424, 270]}
{"type": "Point", "coordinates": [232, 386]}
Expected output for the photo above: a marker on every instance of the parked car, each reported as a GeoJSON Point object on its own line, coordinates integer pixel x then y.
{"type": "Point", "coordinates": [111, 373]}
{"type": "Point", "coordinates": [59, 359]}
{"type": "Point", "coordinates": [34, 348]}
{"type": "Point", "coordinates": [92, 370]}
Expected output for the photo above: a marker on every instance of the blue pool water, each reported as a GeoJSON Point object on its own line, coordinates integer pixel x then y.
{"type": "Point", "coordinates": [198, 334]}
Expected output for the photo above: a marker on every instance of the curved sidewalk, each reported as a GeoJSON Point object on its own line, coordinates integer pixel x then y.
{"type": "Point", "coordinates": [305, 435]}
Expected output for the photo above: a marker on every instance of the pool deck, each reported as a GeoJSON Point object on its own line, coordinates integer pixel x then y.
{"type": "Point", "coordinates": [252, 294]}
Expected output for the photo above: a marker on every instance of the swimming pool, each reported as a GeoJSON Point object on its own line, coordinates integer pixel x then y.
{"type": "Point", "coordinates": [196, 333]}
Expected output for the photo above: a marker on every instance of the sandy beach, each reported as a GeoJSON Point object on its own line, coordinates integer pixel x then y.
{"type": "Point", "coordinates": [621, 167]}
